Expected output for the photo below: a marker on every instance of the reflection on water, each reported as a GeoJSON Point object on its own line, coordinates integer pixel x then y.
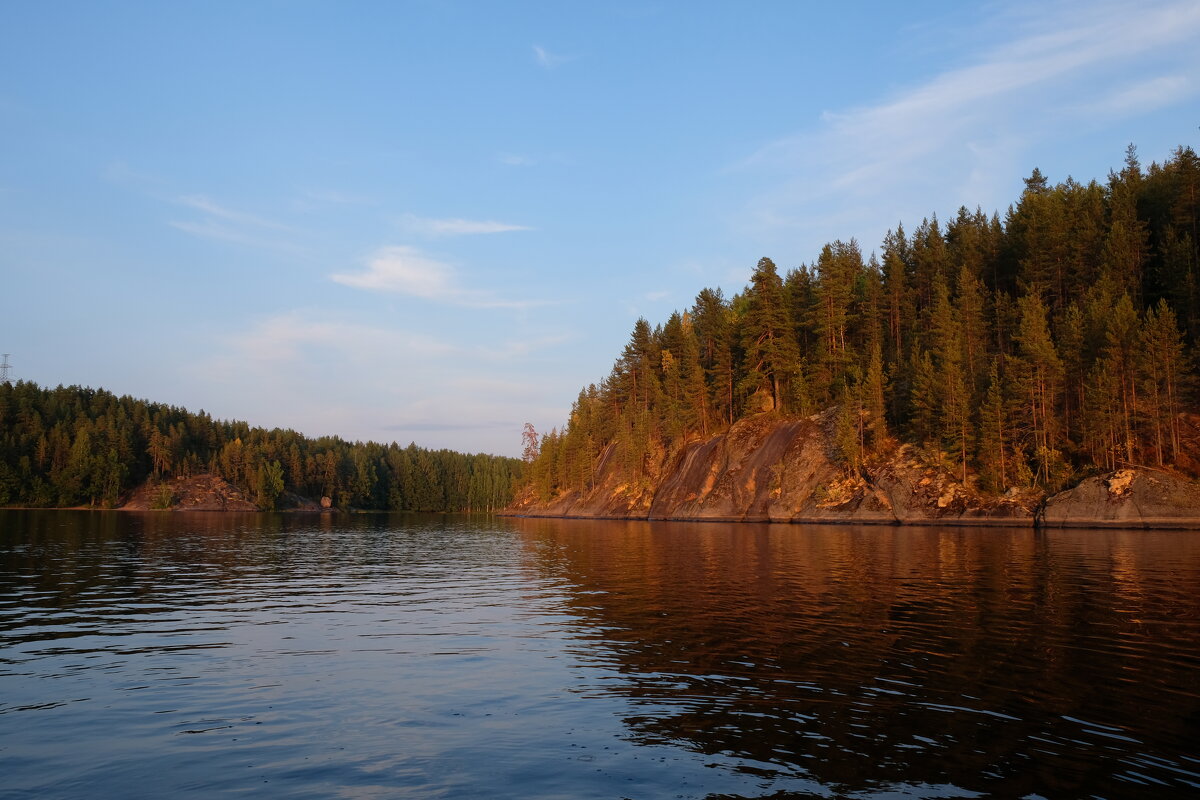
{"type": "Point", "coordinates": [1008, 662]}
{"type": "Point", "coordinates": [435, 656]}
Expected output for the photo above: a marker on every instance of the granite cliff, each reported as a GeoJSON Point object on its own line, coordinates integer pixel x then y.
{"type": "Point", "coordinates": [769, 468]}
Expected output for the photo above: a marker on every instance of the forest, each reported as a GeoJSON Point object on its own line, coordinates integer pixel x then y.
{"type": "Point", "coordinates": [1028, 350]}
{"type": "Point", "coordinates": [73, 446]}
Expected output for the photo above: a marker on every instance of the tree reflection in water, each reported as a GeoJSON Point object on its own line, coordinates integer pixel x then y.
{"type": "Point", "coordinates": [868, 659]}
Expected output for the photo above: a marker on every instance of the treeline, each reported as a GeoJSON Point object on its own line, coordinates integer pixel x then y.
{"type": "Point", "coordinates": [75, 446]}
{"type": "Point", "coordinates": [1029, 350]}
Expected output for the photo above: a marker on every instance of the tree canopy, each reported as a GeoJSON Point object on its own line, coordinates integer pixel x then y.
{"type": "Point", "coordinates": [1029, 349]}
{"type": "Point", "coordinates": [72, 446]}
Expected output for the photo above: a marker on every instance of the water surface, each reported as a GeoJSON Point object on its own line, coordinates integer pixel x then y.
{"type": "Point", "coordinates": [393, 656]}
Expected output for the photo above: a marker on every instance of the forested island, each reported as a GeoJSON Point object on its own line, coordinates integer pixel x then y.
{"type": "Point", "coordinates": [74, 446]}
{"type": "Point", "coordinates": [970, 368]}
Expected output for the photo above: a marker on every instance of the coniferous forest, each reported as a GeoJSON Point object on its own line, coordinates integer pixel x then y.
{"type": "Point", "coordinates": [1028, 350]}
{"type": "Point", "coordinates": [73, 446]}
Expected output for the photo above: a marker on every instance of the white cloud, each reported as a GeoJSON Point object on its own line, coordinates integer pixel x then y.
{"type": "Point", "coordinates": [426, 226]}
{"type": "Point", "coordinates": [889, 161]}
{"type": "Point", "coordinates": [406, 270]}
{"type": "Point", "coordinates": [548, 60]}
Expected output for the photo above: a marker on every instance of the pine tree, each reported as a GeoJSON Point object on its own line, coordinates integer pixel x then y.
{"type": "Point", "coordinates": [711, 316]}
{"type": "Point", "coordinates": [952, 396]}
{"type": "Point", "coordinates": [1162, 367]}
{"type": "Point", "coordinates": [874, 394]}
{"type": "Point", "coordinates": [771, 357]}
{"type": "Point", "coordinates": [994, 433]}
{"type": "Point", "coordinates": [1040, 373]}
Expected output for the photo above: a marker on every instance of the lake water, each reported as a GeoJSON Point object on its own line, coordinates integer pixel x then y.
{"type": "Point", "coordinates": [406, 656]}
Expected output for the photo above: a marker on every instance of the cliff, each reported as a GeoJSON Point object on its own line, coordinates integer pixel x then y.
{"type": "Point", "coordinates": [769, 469]}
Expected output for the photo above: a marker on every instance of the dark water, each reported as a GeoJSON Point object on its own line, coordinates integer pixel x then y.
{"type": "Point", "coordinates": [375, 656]}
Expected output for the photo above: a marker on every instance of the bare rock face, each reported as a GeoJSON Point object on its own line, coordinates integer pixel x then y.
{"type": "Point", "coordinates": [1127, 498]}
{"type": "Point", "coordinates": [768, 468]}
{"type": "Point", "coordinates": [194, 493]}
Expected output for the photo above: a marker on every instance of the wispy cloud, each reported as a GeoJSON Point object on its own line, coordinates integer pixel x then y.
{"type": "Point", "coordinates": [1056, 69]}
{"type": "Point", "coordinates": [406, 270]}
{"type": "Point", "coordinates": [217, 231]}
{"type": "Point", "coordinates": [315, 199]}
{"type": "Point", "coordinates": [547, 60]}
{"type": "Point", "coordinates": [520, 348]}
{"type": "Point", "coordinates": [328, 373]}
{"type": "Point", "coordinates": [515, 160]}
{"type": "Point", "coordinates": [283, 339]}
{"type": "Point", "coordinates": [1144, 96]}
{"type": "Point", "coordinates": [425, 427]}
{"type": "Point", "coordinates": [225, 224]}
{"type": "Point", "coordinates": [202, 203]}
{"type": "Point", "coordinates": [425, 226]}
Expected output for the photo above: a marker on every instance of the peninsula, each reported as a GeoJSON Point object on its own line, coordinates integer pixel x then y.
{"type": "Point", "coordinates": [1035, 368]}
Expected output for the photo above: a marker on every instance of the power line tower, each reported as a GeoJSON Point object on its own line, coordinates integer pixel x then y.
{"type": "Point", "coordinates": [4, 368]}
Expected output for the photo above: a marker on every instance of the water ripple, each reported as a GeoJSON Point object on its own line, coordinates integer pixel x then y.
{"type": "Point", "coordinates": [144, 655]}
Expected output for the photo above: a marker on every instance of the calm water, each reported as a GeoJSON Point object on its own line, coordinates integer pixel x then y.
{"type": "Point", "coordinates": [403, 656]}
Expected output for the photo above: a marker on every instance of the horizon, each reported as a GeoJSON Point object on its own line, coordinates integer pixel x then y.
{"type": "Point", "coordinates": [266, 212]}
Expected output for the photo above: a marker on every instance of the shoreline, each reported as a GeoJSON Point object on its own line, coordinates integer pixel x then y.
{"type": "Point", "coordinates": [1010, 523]}
{"type": "Point", "coordinates": [1147, 523]}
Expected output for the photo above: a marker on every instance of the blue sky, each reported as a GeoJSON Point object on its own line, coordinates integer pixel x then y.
{"type": "Point", "coordinates": [434, 221]}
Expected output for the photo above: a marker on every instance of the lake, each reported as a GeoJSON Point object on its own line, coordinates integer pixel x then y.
{"type": "Point", "coordinates": [438, 656]}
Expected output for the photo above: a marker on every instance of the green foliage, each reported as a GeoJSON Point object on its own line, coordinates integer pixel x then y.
{"type": "Point", "coordinates": [163, 497]}
{"type": "Point", "coordinates": [72, 446]}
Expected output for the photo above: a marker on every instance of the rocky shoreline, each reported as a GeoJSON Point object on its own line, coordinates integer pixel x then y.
{"type": "Point", "coordinates": [770, 469]}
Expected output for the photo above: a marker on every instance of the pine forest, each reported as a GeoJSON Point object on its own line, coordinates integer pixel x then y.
{"type": "Point", "coordinates": [1025, 350]}
{"type": "Point", "coordinates": [73, 446]}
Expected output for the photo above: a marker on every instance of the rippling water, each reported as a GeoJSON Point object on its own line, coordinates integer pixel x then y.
{"type": "Point", "coordinates": [392, 656]}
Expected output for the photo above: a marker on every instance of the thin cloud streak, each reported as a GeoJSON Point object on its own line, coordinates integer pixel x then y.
{"type": "Point", "coordinates": [425, 226]}
{"type": "Point", "coordinates": [225, 233]}
{"type": "Point", "coordinates": [202, 203]}
{"type": "Point", "coordinates": [516, 160]}
{"type": "Point", "coordinates": [1148, 95]}
{"type": "Point", "coordinates": [548, 60]}
{"type": "Point", "coordinates": [282, 340]}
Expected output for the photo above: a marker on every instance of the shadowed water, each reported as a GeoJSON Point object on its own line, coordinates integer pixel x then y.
{"type": "Point", "coordinates": [392, 656]}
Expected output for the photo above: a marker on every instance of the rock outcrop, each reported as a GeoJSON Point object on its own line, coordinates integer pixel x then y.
{"type": "Point", "coordinates": [194, 493]}
{"type": "Point", "coordinates": [1127, 498]}
{"type": "Point", "coordinates": [769, 469]}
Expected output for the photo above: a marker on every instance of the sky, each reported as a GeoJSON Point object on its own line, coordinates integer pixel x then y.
{"type": "Point", "coordinates": [432, 222]}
